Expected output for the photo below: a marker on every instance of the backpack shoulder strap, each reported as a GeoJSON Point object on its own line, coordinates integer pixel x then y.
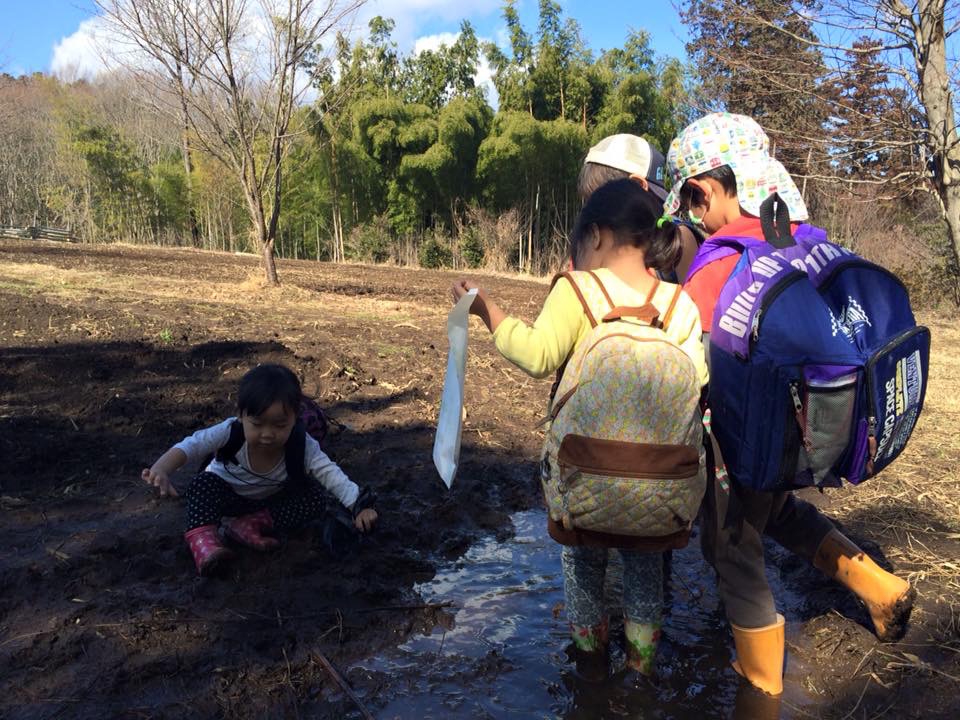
{"type": "Point", "coordinates": [606, 295]}
{"type": "Point", "coordinates": [668, 315]}
{"type": "Point", "coordinates": [295, 453]}
{"type": "Point", "coordinates": [713, 249]}
{"type": "Point", "coordinates": [228, 453]}
{"type": "Point", "coordinates": [580, 297]}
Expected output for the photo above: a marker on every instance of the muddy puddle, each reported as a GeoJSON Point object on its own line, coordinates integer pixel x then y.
{"type": "Point", "coordinates": [504, 650]}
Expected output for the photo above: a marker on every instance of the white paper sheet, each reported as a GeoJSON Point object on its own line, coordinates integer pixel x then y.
{"type": "Point", "coordinates": [446, 445]}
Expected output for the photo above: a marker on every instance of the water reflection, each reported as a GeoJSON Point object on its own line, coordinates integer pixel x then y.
{"type": "Point", "coordinates": [506, 652]}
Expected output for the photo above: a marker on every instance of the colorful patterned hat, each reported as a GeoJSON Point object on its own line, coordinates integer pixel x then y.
{"type": "Point", "coordinates": [738, 141]}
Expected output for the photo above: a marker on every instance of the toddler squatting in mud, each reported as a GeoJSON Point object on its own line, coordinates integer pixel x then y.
{"type": "Point", "coordinates": [266, 473]}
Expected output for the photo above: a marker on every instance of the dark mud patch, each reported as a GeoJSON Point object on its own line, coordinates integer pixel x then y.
{"type": "Point", "coordinates": [101, 612]}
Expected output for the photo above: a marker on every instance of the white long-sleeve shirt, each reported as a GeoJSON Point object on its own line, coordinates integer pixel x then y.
{"type": "Point", "coordinates": [247, 483]}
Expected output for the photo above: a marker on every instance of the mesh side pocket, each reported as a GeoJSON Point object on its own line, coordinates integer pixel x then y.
{"type": "Point", "coordinates": [828, 423]}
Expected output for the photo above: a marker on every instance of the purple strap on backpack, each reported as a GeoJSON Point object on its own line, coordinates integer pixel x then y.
{"type": "Point", "coordinates": [713, 249]}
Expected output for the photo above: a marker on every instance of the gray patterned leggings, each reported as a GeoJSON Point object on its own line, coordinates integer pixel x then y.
{"type": "Point", "coordinates": [584, 569]}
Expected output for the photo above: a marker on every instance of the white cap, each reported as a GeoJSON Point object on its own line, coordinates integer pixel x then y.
{"type": "Point", "coordinates": [634, 156]}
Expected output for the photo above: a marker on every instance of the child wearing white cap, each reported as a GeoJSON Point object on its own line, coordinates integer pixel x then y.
{"type": "Point", "coordinates": [723, 171]}
{"type": "Point", "coordinates": [629, 156]}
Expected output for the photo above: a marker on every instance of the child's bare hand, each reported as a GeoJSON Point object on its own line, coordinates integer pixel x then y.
{"type": "Point", "coordinates": [462, 287]}
{"type": "Point", "coordinates": [482, 306]}
{"type": "Point", "coordinates": [365, 520]}
{"type": "Point", "coordinates": [159, 479]}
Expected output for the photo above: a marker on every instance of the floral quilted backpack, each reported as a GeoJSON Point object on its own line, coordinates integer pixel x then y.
{"type": "Point", "coordinates": [624, 452]}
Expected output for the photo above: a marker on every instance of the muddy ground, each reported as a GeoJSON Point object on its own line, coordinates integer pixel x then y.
{"type": "Point", "coordinates": [109, 354]}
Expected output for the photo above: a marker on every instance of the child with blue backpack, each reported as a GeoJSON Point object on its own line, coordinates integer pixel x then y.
{"type": "Point", "coordinates": [262, 471]}
{"type": "Point", "coordinates": [618, 239]}
{"type": "Point", "coordinates": [723, 173]}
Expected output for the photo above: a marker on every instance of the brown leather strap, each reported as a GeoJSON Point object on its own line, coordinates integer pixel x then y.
{"type": "Point", "coordinates": [653, 290]}
{"type": "Point", "coordinates": [558, 405]}
{"type": "Point", "coordinates": [673, 304]}
{"type": "Point", "coordinates": [603, 289]}
{"type": "Point", "coordinates": [583, 302]}
{"type": "Point", "coordinates": [646, 314]}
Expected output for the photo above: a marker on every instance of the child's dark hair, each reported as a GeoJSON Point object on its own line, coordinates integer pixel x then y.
{"type": "Point", "coordinates": [631, 213]}
{"type": "Point", "coordinates": [723, 175]}
{"type": "Point", "coordinates": [593, 176]}
{"type": "Point", "coordinates": [266, 384]}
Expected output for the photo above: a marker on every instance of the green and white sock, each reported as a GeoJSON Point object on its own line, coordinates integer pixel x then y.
{"type": "Point", "coordinates": [590, 639]}
{"type": "Point", "coordinates": [642, 639]}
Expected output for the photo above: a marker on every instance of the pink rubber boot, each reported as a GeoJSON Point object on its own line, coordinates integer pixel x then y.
{"type": "Point", "coordinates": [248, 530]}
{"type": "Point", "coordinates": [208, 552]}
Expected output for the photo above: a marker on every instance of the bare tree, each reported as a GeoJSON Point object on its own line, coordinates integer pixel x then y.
{"type": "Point", "coordinates": [910, 45]}
{"type": "Point", "coordinates": [235, 71]}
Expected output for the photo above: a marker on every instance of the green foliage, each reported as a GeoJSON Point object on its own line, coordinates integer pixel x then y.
{"type": "Point", "coordinates": [168, 184]}
{"type": "Point", "coordinates": [435, 77]}
{"type": "Point", "coordinates": [471, 247]}
{"type": "Point", "coordinates": [370, 242]}
{"type": "Point", "coordinates": [435, 253]}
{"type": "Point", "coordinates": [521, 153]}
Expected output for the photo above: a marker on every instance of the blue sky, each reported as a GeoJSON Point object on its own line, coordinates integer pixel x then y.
{"type": "Point", "coordinates": [32, 29]}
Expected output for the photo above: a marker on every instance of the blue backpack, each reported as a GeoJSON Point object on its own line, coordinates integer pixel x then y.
{"type": "Point", "coordinates": [818, 368]}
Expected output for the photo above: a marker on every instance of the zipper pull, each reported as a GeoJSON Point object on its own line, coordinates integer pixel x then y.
{"type": "Point", "coordinates": [871, 444]}
{"type": "Point", "coordinates": [755, 326]}
{"type": "Point", "coordinates": [795, 394]}
{"type": "Point", "coordinates": [798, 411]}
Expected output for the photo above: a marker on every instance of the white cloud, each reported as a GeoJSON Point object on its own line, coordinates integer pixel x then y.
{"type": "Point", "coordinates": [77, 56]}
{"type": "Point", "coordinates": [434, 42]}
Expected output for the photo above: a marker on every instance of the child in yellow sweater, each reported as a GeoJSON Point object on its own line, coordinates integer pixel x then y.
{"type": "Point", "coordinates": [620, 237]}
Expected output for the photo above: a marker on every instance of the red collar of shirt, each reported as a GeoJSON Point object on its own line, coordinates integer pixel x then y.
{"type": "Point", "coordinates": [747, 226]}
{"type": "Point", "coordinates": [743, 226]}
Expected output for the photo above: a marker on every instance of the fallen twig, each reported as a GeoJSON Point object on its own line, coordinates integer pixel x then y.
{"type": "Point", "coordinates": [343, 684]}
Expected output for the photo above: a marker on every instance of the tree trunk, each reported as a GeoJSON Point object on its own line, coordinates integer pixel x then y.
{"type": "Point", "coordinates": [335, 204]}
{"type": "Point", "coordinates": [951, 206]}
{"type": "Point", "coordinates": [535, 230]}
{"type": "Point", "coordinates": [265, 235]}
{"type": "Point", "coordinates": [270, 263]}
{"type": "Point", "coordinates": [938, 105]}
{"type": "Point", "coordinates": [187, 160]}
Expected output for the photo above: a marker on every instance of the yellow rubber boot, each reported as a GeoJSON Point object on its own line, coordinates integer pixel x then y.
{"type": "Point", "coordinates": [760, 655]}
{"type": "Point", "coordinates": [889, 599]}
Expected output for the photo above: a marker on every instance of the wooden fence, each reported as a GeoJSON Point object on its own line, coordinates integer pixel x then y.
{"type": "Point", "coordinates": [38, 233]}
